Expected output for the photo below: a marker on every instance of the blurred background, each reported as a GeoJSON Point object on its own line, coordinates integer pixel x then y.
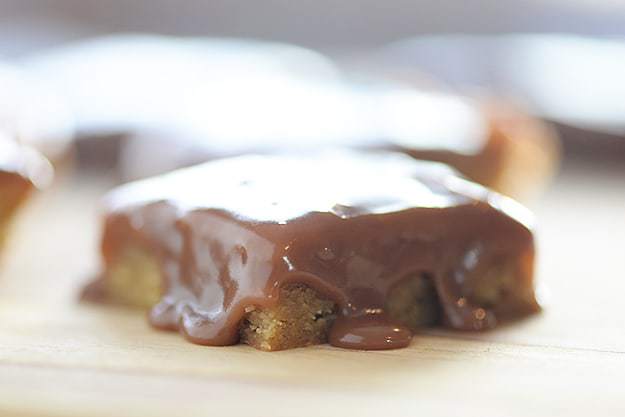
{"type": "Point", "coordinates": [578, 86]}
{"type": "Point", "coordinates": [30, 24]}
{"type": "Point", "coordinates": [561, 61]}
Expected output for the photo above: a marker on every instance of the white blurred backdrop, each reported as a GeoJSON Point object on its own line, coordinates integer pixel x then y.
{"type": "Point", "coordinates": [29, 24]}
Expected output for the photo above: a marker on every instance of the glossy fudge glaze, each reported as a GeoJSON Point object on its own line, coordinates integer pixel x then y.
{"type": "Point", "coordinates": [229, 235]}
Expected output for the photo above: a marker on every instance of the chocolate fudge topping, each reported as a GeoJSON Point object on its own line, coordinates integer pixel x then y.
{"type": "Point", "coordinates": [229, 234]}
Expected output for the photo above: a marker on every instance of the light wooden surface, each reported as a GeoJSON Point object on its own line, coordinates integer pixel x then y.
{"type": "Point", "coordinates": [60, 358]}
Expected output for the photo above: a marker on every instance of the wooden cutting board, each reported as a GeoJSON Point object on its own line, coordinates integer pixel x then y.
{"type": "Point", "coordinates": [61, 358]}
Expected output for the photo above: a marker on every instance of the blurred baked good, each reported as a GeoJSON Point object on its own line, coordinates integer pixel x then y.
{"type": "Point", "coordinates": [22, 169]}
{"type": "Point", "coordinates": [492, 142]}
{"type": "Point", "coordinates": [536, 70]}
{"type": "Point", "coordinates": [151, 104]}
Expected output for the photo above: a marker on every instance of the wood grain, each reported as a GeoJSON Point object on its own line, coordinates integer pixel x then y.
{"type": "Point", "coordinates": [62, 358]}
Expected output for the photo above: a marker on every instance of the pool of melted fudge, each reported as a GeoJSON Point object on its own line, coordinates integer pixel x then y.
{"type": "Point", "coordinates": [225, 238]}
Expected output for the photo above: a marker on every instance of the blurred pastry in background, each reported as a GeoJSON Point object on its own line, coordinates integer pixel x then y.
{"type": "Point", "coordinates": [514, 153]}
{"type": "Point", "coordinates": [574, 82]}
{"type": "Point", "coordinates": [490, 141]}
{"type": "Point", "coordinates": [123, 83]}
{"type": "Point", "coordinates": [22, 170]}
{"type": "Point", "coordinates": [35, 115]}
{"type": "Point", "coordinates": [135, 77]}
{"type": "Point", "coordinates": [152, 104]}
{"type": "Point", "coordinates": [360, 249]}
